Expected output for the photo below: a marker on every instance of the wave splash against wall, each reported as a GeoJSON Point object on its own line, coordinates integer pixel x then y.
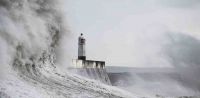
{"type": "Point", "coordinates": [30, 33]}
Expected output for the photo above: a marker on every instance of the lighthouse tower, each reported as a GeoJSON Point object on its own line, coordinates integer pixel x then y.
{"type": "Point", "coordinates": [81, 62]}
{"type": "Point", "coordinates": [90, 68]}
{"type": "Point", "coordinates": [81, 48]}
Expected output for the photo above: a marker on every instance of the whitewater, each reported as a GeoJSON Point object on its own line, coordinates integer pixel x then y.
{"type": "Point", "coordinates": [30, 36]}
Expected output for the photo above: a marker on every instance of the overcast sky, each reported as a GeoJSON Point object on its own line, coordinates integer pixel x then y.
{"type": "Point", "coordinates": [131, 32]}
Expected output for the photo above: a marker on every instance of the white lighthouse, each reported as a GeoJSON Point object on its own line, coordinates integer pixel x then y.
{"type": "Point", "coordinates": [91, 68]}
{"type": "Point", "coordinates": [82, 62]}
{"type": "Point", "coordinates": [81, 48]}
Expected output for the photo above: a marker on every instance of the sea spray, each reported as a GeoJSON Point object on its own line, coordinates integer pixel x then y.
{"type": "Point", "coordinates": [30, 33]}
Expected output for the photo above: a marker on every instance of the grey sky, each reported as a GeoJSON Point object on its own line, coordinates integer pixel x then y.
{"type": "Point", "coordinates": [131, 32]}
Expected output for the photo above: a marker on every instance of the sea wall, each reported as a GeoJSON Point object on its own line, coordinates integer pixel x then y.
{"type": "Point", "coordinates": [92, 69]}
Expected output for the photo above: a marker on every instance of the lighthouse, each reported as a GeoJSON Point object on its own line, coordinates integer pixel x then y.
{"type": "Point", "coordinates": [82, 62]}
{"type": "Point", "coordinates": [81, 47]}
{"type": "Point", "coordinates": [90, 68]}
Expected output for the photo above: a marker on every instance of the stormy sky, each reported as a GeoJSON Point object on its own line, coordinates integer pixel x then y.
{"type": "Point", "coordinates": [137, 33]}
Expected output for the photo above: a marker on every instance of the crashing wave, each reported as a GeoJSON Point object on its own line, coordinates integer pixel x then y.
{"type": "Point", "coordinates": [30, 33]}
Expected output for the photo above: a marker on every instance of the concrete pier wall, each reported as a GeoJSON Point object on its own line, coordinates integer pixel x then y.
{"type": "Point", "coordinates": [88, 64]}
{"type": "Point", "coordinates": [92, 69]}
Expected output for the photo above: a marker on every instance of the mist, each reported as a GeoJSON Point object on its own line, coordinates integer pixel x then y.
{"type": "Point", "coordinates": [149, 34]}
{"type": "Point", "coordinates": [37, 45]}
{"type": "Point", "coordinates": [180, 52]}
{"type": "Point", "coordinates": [127, 33]}
{"type": "Point", "coordinates": [35, 54]}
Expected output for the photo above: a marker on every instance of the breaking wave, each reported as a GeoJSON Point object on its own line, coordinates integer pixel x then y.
{"type": "Point", "coordinates": [30, 35]}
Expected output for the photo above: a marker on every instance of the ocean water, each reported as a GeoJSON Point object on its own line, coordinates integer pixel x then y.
{"type": "Point", "coordinates": [31, 34]}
